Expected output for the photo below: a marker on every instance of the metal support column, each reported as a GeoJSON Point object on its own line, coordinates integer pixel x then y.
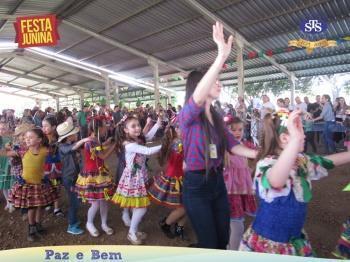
{"type": "Point", "coordinates": [292, 89]}
{"type": "Point", "coordinates": [57, 104]}
{"type": "Point", "coordinates": [107, 89]}
{"type": "Point", "coordinates": [240, 66]}
{"type": "Point", "coordinates": [81, 98]}
{"type": "Point", "coordinates": [156, 81]}
{"type": "Point", "coordinates": [116, 94]}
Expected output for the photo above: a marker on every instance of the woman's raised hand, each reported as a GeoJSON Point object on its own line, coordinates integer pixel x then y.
{"type": "Point", "coordinates": [224, 47]}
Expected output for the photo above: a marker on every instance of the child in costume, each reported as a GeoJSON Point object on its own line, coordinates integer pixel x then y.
{"type": "Point", "coordinates": [131, 193]}
{"type": "Point", "coordinates": [32, 191]}
{"type": "Point", "coordinates": [283, 184]}
{"type": "Point", "coordinates": [239, 185]}
{"type": "Point", "coordinates": [67, 149]}
{"type": "Point", "coordinates": [94, 183]}
{"type": "Point", "coordinates": [167, 188]}
{"type": "Point", "coordinates": [53, 165]}
{"type": "Point", "coordinates": [19, 145]}
{"type": "Point", "coordinates": [343, 248]}
{"type": "Point", "coordinates": [6, 179]}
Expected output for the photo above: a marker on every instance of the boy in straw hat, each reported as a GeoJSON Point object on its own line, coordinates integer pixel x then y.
{"type": "Point", "coordinates": [68, 145]}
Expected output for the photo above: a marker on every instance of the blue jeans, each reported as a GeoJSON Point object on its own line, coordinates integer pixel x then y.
{"type": "Point", "coordinates": [207, 207]}
{"type": "Point", "coordinates": [73, 200]}
{"type": "Point", "coordinates": [328, 136]}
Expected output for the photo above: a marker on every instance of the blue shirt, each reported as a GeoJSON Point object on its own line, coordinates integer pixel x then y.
{"type": "Point", "coordinates": [327, 112]}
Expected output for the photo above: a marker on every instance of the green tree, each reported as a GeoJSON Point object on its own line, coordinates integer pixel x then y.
{"type": "Point", "coordinates": [277, 87]}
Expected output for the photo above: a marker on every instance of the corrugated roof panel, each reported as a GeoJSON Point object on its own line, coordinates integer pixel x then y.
{"type": "Point", "coordinates": [113, 57]}
{"type": "Point", "coordinates": [197, 29]}
{"type": "Point", "coordinates": [46, 87]}
{"type": "Point", "coordinates": [152, 20]}
{"type": "Point", "coordinates": [217, 4]}
{"type": "Point", "coordinates": [105, 12]}
{"type": "Point", "coordinates": [127, 65]}
{"type": "Point", "coordinates": [72, 79]}
{"type": "Point", "coordinates": [87, 48]}
{"type": "Point", "coordinates": [48, 72]}
{"type": "Point", "coordinates": [24, 82]}
{"type": "Point", "coordinates": [94, 85]}
{"type": "Point", "coordinates": [187, 49]}
{"type": "Point", "coordinates": [23, 64]}
{"type": "Point", "coordinates": [68, 36]}
{"type": "Point", "coordinates": [6, 77]}
{"type": "Point", "coordinates": [6, 5]}
{"type": "Point", "coordinates": [37, 7]}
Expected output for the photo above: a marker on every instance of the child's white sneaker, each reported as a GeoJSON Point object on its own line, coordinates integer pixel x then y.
{"type": "Point", "coordinates": [92, 230]}
{"type": "Point", "coordinates": [134, 239]}
{"type": "Point", "coordinates": [141, 235]}
{"type": "Point", "coordinates": [11, 209]}
{"type": "Point", "coordinates": [109, 231]}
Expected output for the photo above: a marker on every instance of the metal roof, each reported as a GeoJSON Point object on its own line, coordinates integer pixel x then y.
{"type": "Point", "coordinates": [174, 32]}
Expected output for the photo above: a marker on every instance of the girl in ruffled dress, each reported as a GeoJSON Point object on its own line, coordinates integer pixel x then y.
{"type": "Point", "coordinates": [238, 180]}
{"type": "Point", "coordinates": [95, 183]}
{"type": "Point", "coordinates": [166, 189]}
{"type": "Point", "coordinates": [131, 193]}
{"type": "Point", "coordinates": [283, 184]}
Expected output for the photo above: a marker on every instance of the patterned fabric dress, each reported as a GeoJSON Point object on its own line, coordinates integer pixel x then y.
{"type": "Point", "coordinates": [279, 222]}
{"type": "Point", "coordinates": [132, 187]}
{"type": "Point", "coordinates": [239, 187]}
{"type": "Point", "coordinates": [30, 190]}
{"type": "Point", "coordinates": [53, 167]}
{"type": "Point", "coordinates": [6, 180]}
{"type": "Point", "coordinates": [94, 182]}
{"type": "Point", "coordinates": [167, 189]}
{"type": "Point", "coordinates": [343, 248]}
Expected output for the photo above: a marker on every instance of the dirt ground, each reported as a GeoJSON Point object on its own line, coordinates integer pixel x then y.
{"type": "Point", "coordinates": [328, 209]}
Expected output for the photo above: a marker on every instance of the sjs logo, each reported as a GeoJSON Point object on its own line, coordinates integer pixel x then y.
{"type": "Point", "coordinates": [313, 26]}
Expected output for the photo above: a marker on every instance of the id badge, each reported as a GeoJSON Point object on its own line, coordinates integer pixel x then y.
{"type": "Point", "coordinates": [213, 151]}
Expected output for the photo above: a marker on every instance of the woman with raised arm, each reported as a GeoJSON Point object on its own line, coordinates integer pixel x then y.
{"type": "Point", "coordinates": [205, 139]}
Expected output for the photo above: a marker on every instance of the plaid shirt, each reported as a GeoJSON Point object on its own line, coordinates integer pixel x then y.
{"type": "Point", "coordinates": [193, 137]}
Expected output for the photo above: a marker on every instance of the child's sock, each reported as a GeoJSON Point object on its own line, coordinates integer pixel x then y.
{"type": "Point", "coordinates": [6, 195]}
{"type": "Point", "coordinates": [95, 205]}
{"type": "Point", "coordinates": [237, 230]}
{"type": "Point", "coordinates": [126, 217]}
{"type": "Point", "coordinates": [137, 215]}
{"type": "Point", "coordinates": [104, 216]}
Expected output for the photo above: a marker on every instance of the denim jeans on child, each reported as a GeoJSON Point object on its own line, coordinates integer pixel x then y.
{"type": "Point", "coordinates": [207, 207]}
{"type": "Point", "coordinates": [73, 200]}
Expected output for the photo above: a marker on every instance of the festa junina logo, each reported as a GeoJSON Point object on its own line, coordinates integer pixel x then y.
{"type": "Point", "coordinates": [313, 26]}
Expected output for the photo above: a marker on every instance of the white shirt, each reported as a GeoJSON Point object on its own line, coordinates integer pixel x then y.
{"type": "Point", "coordinates": [267, 108]}
{"type": "Point", "coordinates": [131, 149]}
{"type": "Point", "coordinates": [302, 106]}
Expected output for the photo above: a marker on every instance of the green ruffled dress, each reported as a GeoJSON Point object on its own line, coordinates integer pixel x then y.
{"type": "Point", "coordinates": [6, 179]}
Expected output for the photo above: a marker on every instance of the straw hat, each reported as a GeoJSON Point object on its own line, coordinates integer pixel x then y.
{"type": "Point", "coordinates": [23, 128]}
{"type": "Point", "coordinates": [66, 129]}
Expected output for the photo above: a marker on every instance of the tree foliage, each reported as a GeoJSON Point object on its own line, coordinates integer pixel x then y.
{"type": "Point", "coordinates": [277, 87]}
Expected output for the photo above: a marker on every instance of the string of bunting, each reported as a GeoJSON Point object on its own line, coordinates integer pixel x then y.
{"type": "Point", "coordinates": [270, 52]}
